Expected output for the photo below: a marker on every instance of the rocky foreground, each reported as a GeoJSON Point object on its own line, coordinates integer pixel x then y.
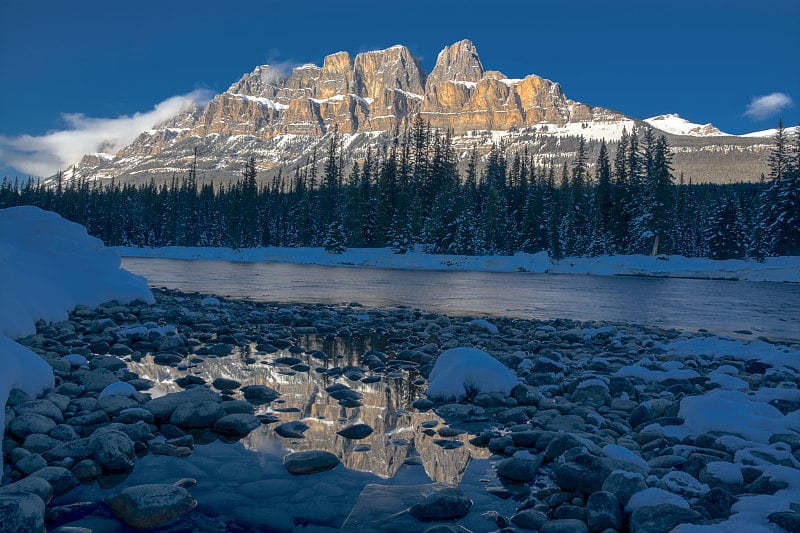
{"type": "Point", "coordinates": [591, 415]}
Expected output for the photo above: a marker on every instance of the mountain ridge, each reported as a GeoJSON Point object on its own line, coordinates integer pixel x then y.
{"type": "Point", "coordinates": [282, 117]}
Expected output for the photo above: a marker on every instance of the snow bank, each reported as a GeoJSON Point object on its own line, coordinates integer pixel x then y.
{"type": "Point", "coordinates": [780, 269]}
{"type": "Point", "coordinates": [720, 347]}
{"type": "Point", "coordinates": [50, 265]}
{"type": "Point", "coordinates": [461, 370]}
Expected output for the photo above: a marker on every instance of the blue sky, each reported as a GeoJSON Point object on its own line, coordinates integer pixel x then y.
{"type": "Point", "coordinates": [80, 65]}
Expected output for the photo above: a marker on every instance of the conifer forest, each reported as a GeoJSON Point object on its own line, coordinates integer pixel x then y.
{"type": "Point", "coordinates": [410, 194]}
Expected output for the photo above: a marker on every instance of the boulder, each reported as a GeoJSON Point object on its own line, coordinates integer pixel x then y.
{"type": "Point", "coordinates": [152, 505]}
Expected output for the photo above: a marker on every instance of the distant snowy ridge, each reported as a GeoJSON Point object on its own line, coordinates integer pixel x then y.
{"type": "Point", "coordinates": [771, 133]}
{"type": "Point", "coordinates": [779, 269]}
{"type": "Point", "coordinates": [675, 124]}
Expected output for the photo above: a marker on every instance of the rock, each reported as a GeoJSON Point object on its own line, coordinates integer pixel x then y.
{"type": "Point", "coordinates": [603, 511]}
{"type": "Point", "coordinates": [237, 406]}
{"type": "Point", "coordinates": [86, 470]}
{"type": "Point", "coordinates": [519, 468]}
{"type": "Point", "coordinates": [29, 424]}
{"type": "Point", "coordinates": [148, 506]}
{"type": "Point", "coordinates": [21, 512]}
{"type": "Point", "coordinates": [530, 519]}
{"type": "Point", "coordinates": [260, 393]}
{"type": "Point", "coordinates": [30, 463]}
{"type": "Point", "coordinates": [446, 504]}
{"type": "Point", "coordinates": [40, 407]}
{"type": "Point", "coordinates": [113, 450]}
{"type": "Point", "coordinates": [291, 430]}
{"type": "Point", "coordinates": [163, 406]}
{"type": "Point", "coordinates": [565, 525]}
{"type": "Point", "coordinates": [310, 462]}
{"type": "Point", "coordinates": [526, 395]}
{"type": "Point", "coordinates": [623, 485]}
{"type": "Point", "coordinates": [788, 521]}
{"type": "Point", "coordinates": [355, 431]}
{"type": "Point", "coordinates": [61, 479]}
{"type": "Point", "coordinates": [225, 384]}
{"type": "Point", "coordinates": [201, 414]}
{"type": "Point", "coordinates": [661, 518]}
{"type": "Point", "coordinates": [33, 484]}
{"type": "Point", "coordinates": [716, 503]}
{"type": "Point", "coordinates": [236, 424]}
{"type": "Point", "coordinates": [133, 415]}
{"type": "Point", "coordinates": [588, 473]}
{"type": "Point", "coordinates": [98, 379]}
{"type": "Point", "coordinates": [64, 433]}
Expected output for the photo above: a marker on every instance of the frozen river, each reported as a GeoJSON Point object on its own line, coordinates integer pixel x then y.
{"type": "Point", "coordinates": [727, 307]}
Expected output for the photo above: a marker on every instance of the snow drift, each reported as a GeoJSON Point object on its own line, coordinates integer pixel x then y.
{"type": "Point", "coordinates": [459, 371]}
{"type": "Point", "coordinates": [48, 266]}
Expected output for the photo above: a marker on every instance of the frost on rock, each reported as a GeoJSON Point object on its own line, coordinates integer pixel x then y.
{"type": "Point", "coordinates": [462, 371]}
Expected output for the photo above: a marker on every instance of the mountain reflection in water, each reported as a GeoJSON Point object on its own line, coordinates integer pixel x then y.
{"type": "Point", "coordinates": [399, 432]}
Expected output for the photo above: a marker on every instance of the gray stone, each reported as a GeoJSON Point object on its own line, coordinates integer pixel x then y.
{"type": "Point", "coordinates": [566, 423]}
{"type": "Point", "coordinates": [21, 512]}
{"type": "Point", "coordinates": [196, 415]}
{"type": "Point", "coordinates": [133, 415]}
{"type": "Point", "coordinates": [35, 485]}
{"type": "Point", "coordinates": [40, 407]}
{"type": "Point", "coordinates": [31, 463]}
{"type": "Point", "coordinates": [310, 462]}
{"type": "Point", "coordinates": [715, 503]}
{"type": "Point", "coordinates": [519, 468]}
{"type": "Point", "coordinates": [236, 424]}
{"type": "Point", "coordinates": [225, 384]}
{"type": "Point", "coordinates": [788, 521]}
{"type": "Point", "coordinates": [588, 473]}
{"type": "Point", "coordinates": [113, 450]}
{"type": "Point", "coordinates": [163, 406]}
{"type": "Point", "coordinates": [39, 443]}
{"type": "Point", "coordinates": [291, 430]}
{"type": "Point", "coordinates": [530, 519]}
{"type": "Point", "coordinates": [61, 479]}
{"type": "Point", "coordinates": [603, 511]}
{"type": "Point", "coordinates": [86, 470]}
{"type": "Point", "coordinates": [526, 395]}
{"type": "Point", "coordinates": [446, 504]}
{"type": "Point", "coordinates": [259, 393]}
{"type": "Point", "coordinates": [662, 518]}
{"type": "Point", "coordinates": [355, 431]}
{"type": "Point", "coordinates": [592, 395]}
{"type": "Point", "coordinates": [148, 506]}
{"type": "Point", "coordinates": [29, 424]}
{"type": "Point", "coordinates": [565, 525]}
{"type": "Point", "coordinates": [237, 406]}
{"type": "Point", "coordinates": [114, 404]}
{"type": "Point", "coordinates": [64, 433]}
{"type": "Point", "coordinates": [98, 379]}
{"type": "Point", "coordinates": [77, 449]}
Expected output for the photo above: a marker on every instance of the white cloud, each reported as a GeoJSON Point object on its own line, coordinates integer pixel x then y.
{"type": "Point", "coordinates": [44, 155]}
{"type": "Point", "coordinates": [766, 106]}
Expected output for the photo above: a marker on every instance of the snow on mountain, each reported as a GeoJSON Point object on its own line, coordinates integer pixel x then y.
{"type": "Point", "coordinates": [766, 134]}
{"type": "Point", "coordinates": [677, 125]}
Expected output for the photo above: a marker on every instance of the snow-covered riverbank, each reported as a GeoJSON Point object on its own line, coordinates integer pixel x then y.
{"type": "Point", "coordinates": [776, 269]}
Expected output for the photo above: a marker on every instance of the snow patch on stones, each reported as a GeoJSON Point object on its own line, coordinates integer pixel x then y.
{"type": "Point", "coordinates": [462, 371]}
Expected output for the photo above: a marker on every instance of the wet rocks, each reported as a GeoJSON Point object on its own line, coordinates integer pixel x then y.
{"type": "Point", "coordinates": [152, 505]}
{"type": "Point", "coordinates": [446, 504]}
{"type": "Point", "coordinates": [236, 424]}
{"type": "Point", "coordinates": [291, 430]}
{"type": "Point", "coordinates": [661, 518]}
{"type": "Point", "coordinates": [355, 431]}
{"type": "Point", "coordinates": [21, 512]}
{"type": "Point", "coordinates": [310, 462]}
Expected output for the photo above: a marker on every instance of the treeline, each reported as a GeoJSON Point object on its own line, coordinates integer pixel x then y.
{"type": "Point", "coordinates": [411, 193]}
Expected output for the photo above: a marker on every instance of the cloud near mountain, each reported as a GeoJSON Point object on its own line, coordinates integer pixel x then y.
{"type": "Point", "coordinates": [43, 155]}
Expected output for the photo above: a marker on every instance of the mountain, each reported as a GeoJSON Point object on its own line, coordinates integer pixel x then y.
{"type": "Point", "coordinates": [677, 125]}
{"type": "Point", "coordinates": [771, 133]}
{"type": "Point", "coordinates": [283, 117]}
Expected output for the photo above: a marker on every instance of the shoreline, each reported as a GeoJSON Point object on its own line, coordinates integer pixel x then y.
{"type": "Point", "coordinates": [604, 387]}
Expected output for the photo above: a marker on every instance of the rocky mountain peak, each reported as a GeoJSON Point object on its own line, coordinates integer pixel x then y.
{"type": "Point", "coordinates": [457, 62]}
{"type": "Point", "coordinates": [393, 68]}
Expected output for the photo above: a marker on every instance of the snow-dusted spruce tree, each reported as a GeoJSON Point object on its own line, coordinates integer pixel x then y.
{"type": "Point", "coordinates": [781, 201]}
